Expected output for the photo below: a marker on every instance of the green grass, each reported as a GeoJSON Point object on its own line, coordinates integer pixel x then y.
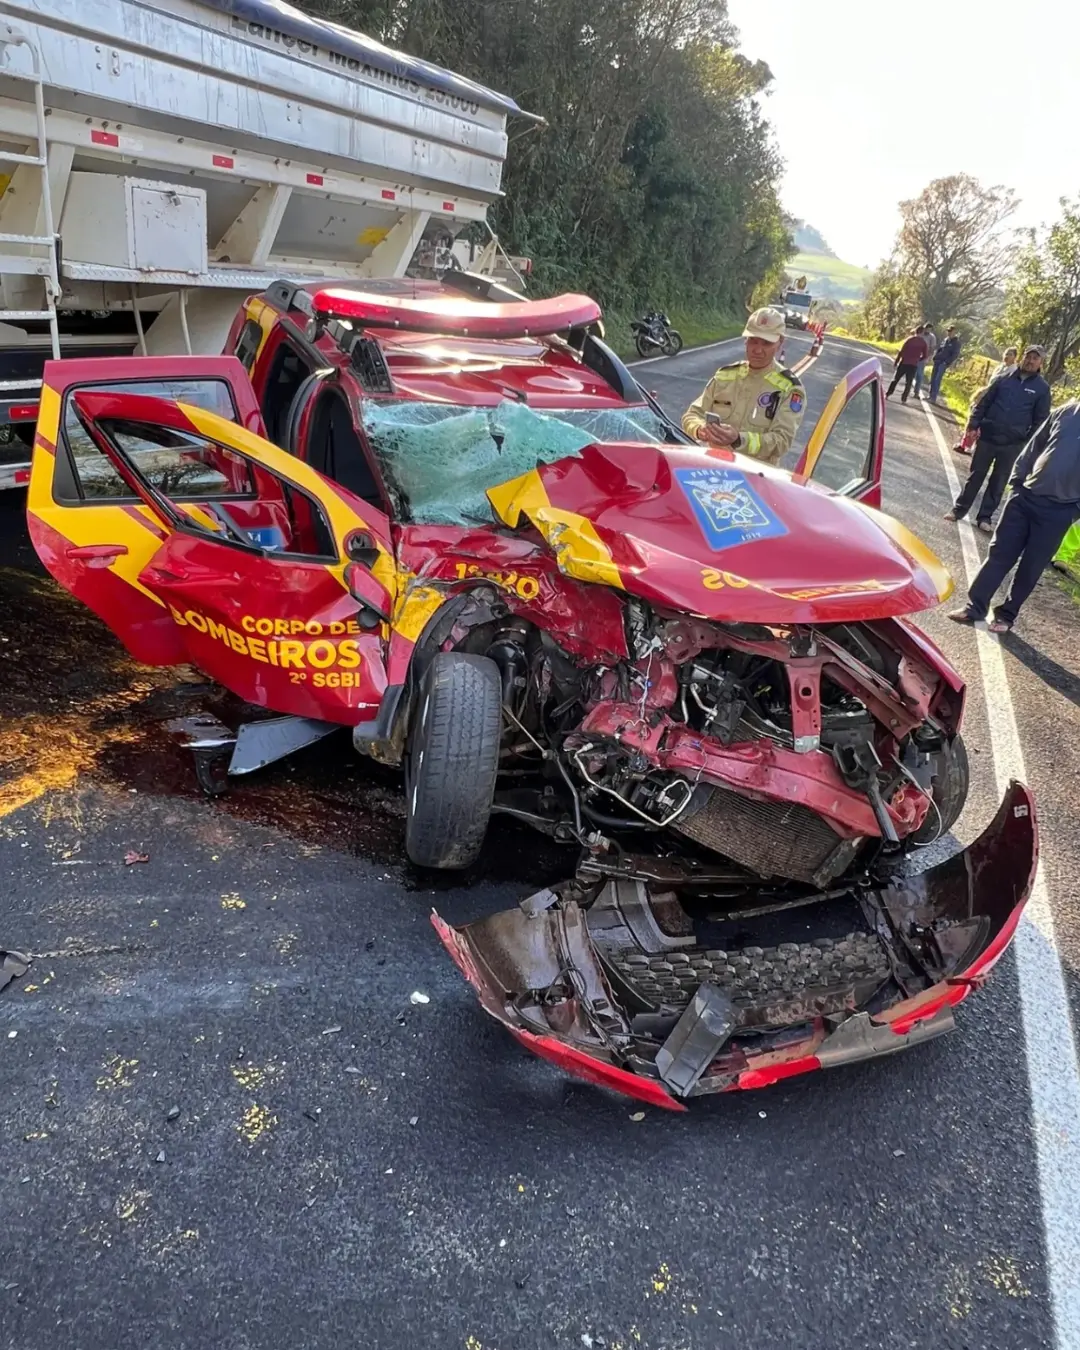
{"type": "Point", "coordinates": [830, 276]}
{"type": "Point", "coordinates": [697, 327]}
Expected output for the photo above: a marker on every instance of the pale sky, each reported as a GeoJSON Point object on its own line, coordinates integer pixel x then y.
{"type": "Point", "coordinates": [871, 100]}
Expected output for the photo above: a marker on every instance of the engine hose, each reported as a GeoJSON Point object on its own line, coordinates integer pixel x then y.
{"type": "Point", "coordinates": [574, 795]}
{"type": "Point", "coordinates": [613, 823]}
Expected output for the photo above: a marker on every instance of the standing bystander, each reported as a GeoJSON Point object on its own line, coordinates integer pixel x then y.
{"type": "Point", "coordinates": [1009, 360]}
{"type": "Point", "coordinates": [945, 356]}
{"type": "Point", "coordinates": [1010, 411]}
{"type": "Point", "coordinates": [931, 348]}
{"type": "Point", "coordinates": [908, 360]}
{"type": "Point", "coordinates": [1044, 503]}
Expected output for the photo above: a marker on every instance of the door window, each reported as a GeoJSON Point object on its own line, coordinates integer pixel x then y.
{"type": "Point", "coordinates": [207, 488]}
{"type": "Point", "coordinates": [334, 449]}
{"type": "Point", "coordinates": [288, 371]}
{"type": "Point", "coordinates": [846, 458]}
{"type": "Point", "coordinates": [179, 467]}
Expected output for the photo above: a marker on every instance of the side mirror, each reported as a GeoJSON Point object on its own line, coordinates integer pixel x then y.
{"type": "Point", "coordinates": [371, 595]}
{"type": "Point", "coordinates": [361, 548]}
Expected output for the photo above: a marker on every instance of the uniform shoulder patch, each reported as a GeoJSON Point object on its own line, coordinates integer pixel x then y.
{"type": "Point", "coordinates": [792, 377]}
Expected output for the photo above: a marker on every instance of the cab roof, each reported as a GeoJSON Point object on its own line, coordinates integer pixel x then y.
{"type": "Point", "coordinates": [434, 367]}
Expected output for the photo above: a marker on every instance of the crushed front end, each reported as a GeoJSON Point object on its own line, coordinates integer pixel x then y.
{"type": "Point", "coordinates": [668, 978]}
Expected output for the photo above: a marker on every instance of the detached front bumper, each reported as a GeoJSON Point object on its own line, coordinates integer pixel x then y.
{"type": "Point", "coordinates": [617, 995]}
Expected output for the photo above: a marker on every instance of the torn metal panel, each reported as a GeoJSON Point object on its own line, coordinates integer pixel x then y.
{"type": "Point", "coordinates": [13, 966]}
{"type": "Point", "coordinates": [621, 990]}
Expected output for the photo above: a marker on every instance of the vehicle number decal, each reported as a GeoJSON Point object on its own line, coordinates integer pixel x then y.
{"type": "Point", "coordinates": [525, 588]}
{"type": "Point", "coordinates": [728, 510]}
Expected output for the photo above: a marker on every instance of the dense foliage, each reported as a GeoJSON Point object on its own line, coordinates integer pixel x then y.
{"type": "Point", "coordinates": [1042, 297]}
{"type": "Point", "coordinates": [655, 180]}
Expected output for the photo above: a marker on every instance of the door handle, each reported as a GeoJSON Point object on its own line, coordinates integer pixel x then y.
{"type": "Point", "coordinates": [97, 555]}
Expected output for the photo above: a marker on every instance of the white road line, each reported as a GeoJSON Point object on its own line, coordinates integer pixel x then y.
{"type": "Point", "coordinates": [1053, 1073]}
{"type": "Point", "coordinates": [687, 351]}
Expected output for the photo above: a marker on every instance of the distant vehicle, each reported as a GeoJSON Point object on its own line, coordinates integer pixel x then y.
{"type": "Point", "coordinates": [797, 308]}
{"type": "Point", "coordinates": [654, 335]}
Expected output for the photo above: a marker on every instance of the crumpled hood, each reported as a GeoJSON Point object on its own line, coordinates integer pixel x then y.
{"type": "Point", "coordinates": [729, 539]}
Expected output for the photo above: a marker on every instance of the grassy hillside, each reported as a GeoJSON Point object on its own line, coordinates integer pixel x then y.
{"type": "Point", "coordinates": [830, 276]}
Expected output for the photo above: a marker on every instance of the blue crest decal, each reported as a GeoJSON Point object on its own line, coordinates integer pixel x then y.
{"type": "Point", "coordinates": [796, 400]}
{"type": "Point", "coordinates": [728, 509]}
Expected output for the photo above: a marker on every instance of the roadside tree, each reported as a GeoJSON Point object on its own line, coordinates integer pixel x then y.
{"type": "Point", "coordinates": [1042, 297]}
{"type": "Point", "coordinates": [952, 245]}
{"type": "Point", "coordinates": [655, 179]}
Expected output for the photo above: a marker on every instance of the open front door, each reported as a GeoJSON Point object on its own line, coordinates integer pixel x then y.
{"type": "Point", "coordinates": [196, 540]}
{"type": "Point", "coordinates": [89, 527]}
{"type": "Point", "coordinates": [845, 451]}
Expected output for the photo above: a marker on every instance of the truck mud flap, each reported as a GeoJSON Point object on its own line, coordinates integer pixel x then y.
{"type": "Point", "coordinates": [545, 970]}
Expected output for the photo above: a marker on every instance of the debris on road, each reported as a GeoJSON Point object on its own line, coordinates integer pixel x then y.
{"type": "Point", "coordinates": [13, 966]}
{"type": "Point", "coordinates": [172, 1113]}
{"type": "Point", "coordinates": [418, 999]}
{"type": "Point", "coordinates": [131, 857]}
{"type": "Point", "coordinates": [330, 1031]}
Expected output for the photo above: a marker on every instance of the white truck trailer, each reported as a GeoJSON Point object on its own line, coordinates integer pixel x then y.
{"type": "Point", "coordinates": [160, 160]}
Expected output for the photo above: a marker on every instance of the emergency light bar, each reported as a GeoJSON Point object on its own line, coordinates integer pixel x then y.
{"type": "Point", "coordinates": [457, 316]}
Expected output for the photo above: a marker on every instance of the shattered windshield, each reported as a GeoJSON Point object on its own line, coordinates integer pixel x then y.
{"type": "Point", "coordinates": [440, 458]}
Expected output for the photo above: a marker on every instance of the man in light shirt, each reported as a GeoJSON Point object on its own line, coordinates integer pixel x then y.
{"type": "Point", "coordinates": [931, 347]}
{"type": "Point", "coordinates": [1010, 359]}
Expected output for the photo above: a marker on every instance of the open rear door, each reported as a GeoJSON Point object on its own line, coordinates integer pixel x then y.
{"type": "Point", "coordinates": [845, 451]}
{"type": "Point", "coordinates": [198, 541]}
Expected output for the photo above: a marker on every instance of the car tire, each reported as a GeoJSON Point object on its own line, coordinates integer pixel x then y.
{"type": "Point", "coordinates": [452, 760]}
{"type": "Point", "coordinates": [673, 343]}
{"type": "Point", "coordinates": [950, 787]}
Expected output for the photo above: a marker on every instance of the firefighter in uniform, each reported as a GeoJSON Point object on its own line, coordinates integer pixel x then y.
{"type": "Point", "coordinates": [752, 406]}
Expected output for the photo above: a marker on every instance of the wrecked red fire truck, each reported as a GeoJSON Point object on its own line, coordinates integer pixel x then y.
{"type": "Point", "coordinates": [450, 521]}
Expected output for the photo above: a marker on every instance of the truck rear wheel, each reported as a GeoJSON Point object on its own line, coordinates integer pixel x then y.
{"type": "Point", "coordinates": [452, 760]}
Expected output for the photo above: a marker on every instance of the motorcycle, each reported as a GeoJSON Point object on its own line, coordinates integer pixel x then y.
{"type": "Point", "coordinates": [654, 334]}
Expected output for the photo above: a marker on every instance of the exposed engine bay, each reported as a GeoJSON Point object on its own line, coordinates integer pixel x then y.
{"type": "Point", "coordinates": [797, 754]}
{"type": "Point", "coordinates": [746, 799]}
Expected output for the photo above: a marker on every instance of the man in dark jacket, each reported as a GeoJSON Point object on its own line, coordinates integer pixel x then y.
{"type": "Point", "coordinates": [1006, 416]}
{"type": "Point", "coordinates": [944, 357]}
{"type": "Point", "coordinates": [1044, 504]}
{"type": "Point", "coordinates": [908, 360]}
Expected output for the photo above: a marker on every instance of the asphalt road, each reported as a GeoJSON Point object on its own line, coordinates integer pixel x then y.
{"type": "Point", "coordinates": [347, 1167]}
